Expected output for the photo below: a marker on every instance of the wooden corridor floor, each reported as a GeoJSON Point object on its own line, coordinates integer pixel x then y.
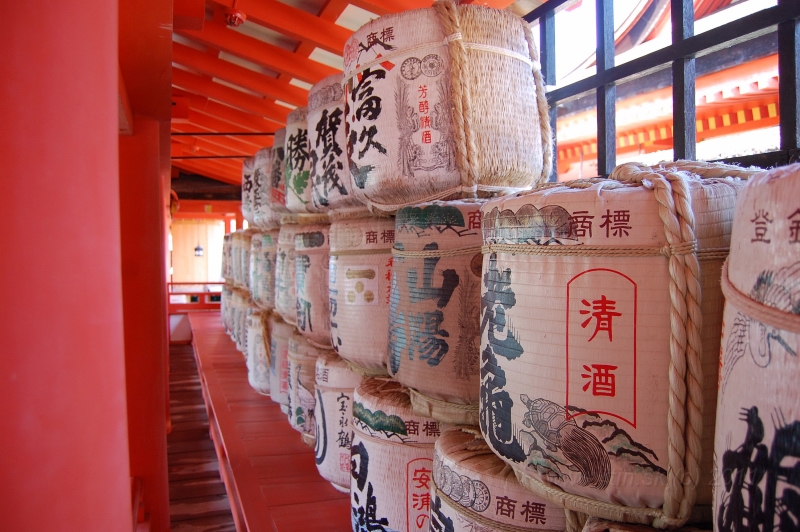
{"type": "Point", "coordinates": [198, 501]}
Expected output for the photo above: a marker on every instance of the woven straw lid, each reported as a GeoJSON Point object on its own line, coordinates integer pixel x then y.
{"type": "Point", "coordinates": [334, 372]}
{"type": "Point", "coordinates": [473, 478]}
{"type": "Point", "coordinates": [382, 409]}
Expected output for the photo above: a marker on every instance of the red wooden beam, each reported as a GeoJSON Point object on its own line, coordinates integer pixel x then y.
{"type": "Point", "coordinates": [293, 22]}
{"type": "Point", "coordinates": [206, 87]}
{"type": "Point", "coordinates": [217, 35]}
{"type": "Point", "coordinates": [218, 68]}
{"type": "Point", "coordinates": [211, 171]}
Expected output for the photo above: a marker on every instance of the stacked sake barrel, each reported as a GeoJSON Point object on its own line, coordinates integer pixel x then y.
{"type": "Point", "coordinates": [434, 317]}
{"type": "Point", "coordinates": [277, 184]}
{"type": "Point", "coordinates": [392, 458]}
{"type": "Point", "coordinates": [297, 162]}
{"type": "Point", "coordinates": [257, 357]}
{"type": "Point", "coordinates": [360, 273]}
{"type": "Point", "coordinates": [285, 290]}
{"type": "Point", "coordinates": [601, 317]}
{"type": "Point", "coordinates": [312, 248]}
{"type": "Point", "coordinates": [302, 359]}
{"type": "Point", "coordinates": [330, 183]}
{"type": "Point", "coordinates": [263, 255]}
{"type": "Point", "coordinates": [263, 215]}
{"type": "Point", "coordinates": [335, 384]}
{"type": "Point", "coordinates": [758, 414]}
{"type": "Point", "coordinates": [426, 112]}
{"type": "Point", "coordinates": [280, 333]}
{"type": "Point", "coordinates": [248, 168]}
{"type": "Point", "coordinates": [473, 489]}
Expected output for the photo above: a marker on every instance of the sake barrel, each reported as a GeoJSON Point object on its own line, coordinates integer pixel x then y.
{"type": "Point", "coordinates": [263, 215]}
{"type": "Point", "coordinates": [248, 166]}
{"type": "Point", "coordinates": [757, 443]}
{"type": "Point", "coordinates": [236, 257]}
{"type": "Point", "coordinates": [596, 296]}
{"type": "Point", "coordinates": [333, 415]}
{"type": "Point", "coordinates": [257, 363]}
{"type": "Point", "coordinates": [427, 111]}
{"type": "Point", "coordinates": [263, 252]}
{"type": "Point", "coordinates": [225, 307]}
{"type": "Point", "coordinates": [474, 490]}
{"type": "Point", "coordinates": [280, 332]}
{"type": "Point", "coordinates": [392, 459]}
{"type": "Point", "coordinates": [330, 183]}
{"type": "Point", "coordinates": [227, 270]}
{"type": "Point", "coordinates": [297, 162]}
{"type": "Point", "coordinates": [249, 310]}
{"type": "Point", "coordinates": [277, 198]}
{"type": "Point", "coordinates": [244, 257]}
{"type": "Point", "coordinates": [285, 291]}
{"type": "Point", "coordinates": [434, 309]}
{"type": "Point", "coordinates": [302, 358]}
{"type": "Point", "coordinates": [311, 281]}
{"type": "Point", "coordinates": [360, 275]}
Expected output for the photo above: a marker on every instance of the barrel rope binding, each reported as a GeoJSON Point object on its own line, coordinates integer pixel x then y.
{"type": "Point", "coordinates": [466, 192]}
{"type": "Point", "coordinates": [366, 372]}
{"type": "Point", "coordinates": [473, 250]}
{"type": "Point", "coordinates": [765, 314]}
{"type": "Point", "coordinates": [583, 505]}
{"type": "Point", "coordinates": [667, 250]}
{"type": "Point", "coordinates": [456, 413]}
{"type": "Point", "coordinates": [358, 252]}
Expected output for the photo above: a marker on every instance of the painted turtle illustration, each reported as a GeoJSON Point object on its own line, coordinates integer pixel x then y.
{"type": "Point", "coordinates": [582, 450]}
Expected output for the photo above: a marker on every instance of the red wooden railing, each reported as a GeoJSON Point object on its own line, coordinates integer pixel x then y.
{"type": "Point", "coordinates": [184, 298]}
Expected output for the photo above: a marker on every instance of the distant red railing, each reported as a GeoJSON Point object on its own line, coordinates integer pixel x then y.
{"type": "Point", "coordinates": [188, 297]}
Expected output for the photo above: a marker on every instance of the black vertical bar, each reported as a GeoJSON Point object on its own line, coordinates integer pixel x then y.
{"type": "Point", "coordinates": [788, 76]}
{"type": "Point", "coordinates": [606, 94]}
{"type": "Point", "coordinates": [547, 55]}
{"type": "Point", "coordinates": [684, 116]}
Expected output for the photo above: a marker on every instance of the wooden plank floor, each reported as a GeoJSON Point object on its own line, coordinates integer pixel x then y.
{"type": "Point", "coordinates": [198, 501]}
{"type": "Point", "coordinates": [270, 473]}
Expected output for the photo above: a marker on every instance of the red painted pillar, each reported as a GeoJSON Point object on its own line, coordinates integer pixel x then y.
{"type": "Point", "coordinates": [64, 439]}
{"type": "Point", "coordinates": [144, 311]}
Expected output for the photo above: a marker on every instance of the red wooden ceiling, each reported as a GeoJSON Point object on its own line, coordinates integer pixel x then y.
{"type": "Point", "coordinates": [247, 79]}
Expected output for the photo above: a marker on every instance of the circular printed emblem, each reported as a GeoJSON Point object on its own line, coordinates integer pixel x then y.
{"type": "Point", "coordinates": [482, 496]}
{"type": "Point", "coordinates": [456, 486]}
{"type": "Point", "coordinates": [445, 485]}
{"type": "Point", "coordinates": [411, 68]}
{"type": "Point", "coordinates": [432, 65]}
{"type": "Point", "coordinates": [468, 497]}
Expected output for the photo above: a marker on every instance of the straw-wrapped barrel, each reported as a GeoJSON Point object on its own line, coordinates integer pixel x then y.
{"type": "Point", "coordinates": [474, 490]}
{"type": "Point", "coordinates": [427, 108]}
{"type": "Point", "coordinates": [226, 269]}
{"type": "Point", "coordinates": [263, 215]}
{"type": "Point", "coordinates": [277, 197]}
{"type": "Point", "coordinates": [302, 358]}
{"type": "Point", "coordinates": [297, 162]}
{"type": "Point", "coordinates": [248, 167]}
{"type": "Point", "coordinates": [392, 459]}
{"type": "Point", "coordinates": [263, 252]}
{"type": "Point", "coordinates": [285, 290]}
{"type": "Point", "coordinates": [757, 444]}
{"type": "Point", "coordinates": [333, 415]}
{"type": "Point", "coordinates": [257, 363]}
{"type": "Point", "coordinates": [279, 332]}
{"type": "Point", "coordinates": [225, 307]}
{"type": "Point", "coordinates": [360, 274]}
{"type": "Point", "coordinates": [312, 249]}
{"type": "Point", "coordinates": [330, 183]}
{"type": "Point", "coordinates": [237, 242]}
{"type": "Point", "coordinates": [601, 315]}
{"type": "Point", "coordinates": [244, 258]}
{"type": "Point", "coordinates": [434, 312]}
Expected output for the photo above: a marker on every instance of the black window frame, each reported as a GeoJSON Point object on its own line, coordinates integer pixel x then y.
{"type": "Point", "coordinates": [680, 57]}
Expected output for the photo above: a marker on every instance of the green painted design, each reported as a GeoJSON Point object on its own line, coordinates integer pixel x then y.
{"type": "Point", "coordinates": [430, 216]}
{"type": "Point", "coordinates": [379, 421]}
{"type": "Point", "coordinates": [297, 182]}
